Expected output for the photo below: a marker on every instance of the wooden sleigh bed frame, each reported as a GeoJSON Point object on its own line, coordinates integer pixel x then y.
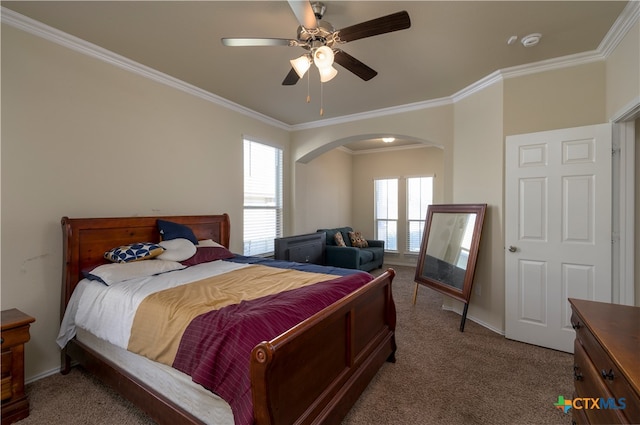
{"type": "Point", "coordinates": [313, 373]}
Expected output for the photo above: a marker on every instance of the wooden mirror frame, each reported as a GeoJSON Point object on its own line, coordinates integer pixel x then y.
{"type": "Point", "coordinates": [461, 294]}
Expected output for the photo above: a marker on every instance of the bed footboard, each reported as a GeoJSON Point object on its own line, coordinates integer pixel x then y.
{"type": "Point", "coordinates": [316, 371]}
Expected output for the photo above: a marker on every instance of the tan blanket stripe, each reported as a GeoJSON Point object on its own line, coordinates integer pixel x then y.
{"type": "Point", "coordinates": [162, 317]}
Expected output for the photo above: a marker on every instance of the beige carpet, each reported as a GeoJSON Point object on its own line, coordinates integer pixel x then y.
{"type": "Point", "coordinates": [442, 376]}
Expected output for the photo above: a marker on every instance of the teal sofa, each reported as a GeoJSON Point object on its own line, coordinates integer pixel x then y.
{"type": "Point", "coordinates": [351, 257]}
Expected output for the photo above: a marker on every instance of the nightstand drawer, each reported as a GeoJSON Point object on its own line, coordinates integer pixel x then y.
{"type": "Point", "coordinates": [6, 374]}
{"type": "Point", "coordinates": [6, 363]}
{"type": "Point", "coordinates": [6, 388]}
{"type": "Point", "coordinates": [13, 337]}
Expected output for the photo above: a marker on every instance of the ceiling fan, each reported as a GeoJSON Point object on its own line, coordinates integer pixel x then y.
{"type": "Point", "coordinates": [321, 41]}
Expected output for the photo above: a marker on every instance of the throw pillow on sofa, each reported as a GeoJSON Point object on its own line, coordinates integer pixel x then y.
{"type": "Point", "coordinates": [339, 239]}
{"type": "Point", "coordinates": [358, 240]}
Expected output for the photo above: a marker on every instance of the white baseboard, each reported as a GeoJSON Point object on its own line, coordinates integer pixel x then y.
{"type": "Point", "coordinates": [474, 319]}
{"type": "Point", "coordinates": [42, 375]}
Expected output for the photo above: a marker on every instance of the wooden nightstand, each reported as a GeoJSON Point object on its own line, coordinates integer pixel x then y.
{"type": "Point", "coordinates": [15, 333]}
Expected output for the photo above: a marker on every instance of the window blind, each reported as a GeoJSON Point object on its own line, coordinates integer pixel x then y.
{"type": "Point", "coordinates": [419, 197]}
{"type": "Point", "coordinates": [386, 212]}
{"type": "Point", "coordinates": [262, 197]}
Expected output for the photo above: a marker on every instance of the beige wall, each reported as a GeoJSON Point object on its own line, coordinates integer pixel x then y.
{"type": "Point", "coordinates": [323, 192]}
{"type": "Point", "coordinates": [563, 98]}
{"type": "Point", "coordinates": [623, 73]}
{"type": "Point", "coordinates": [478, 178]}
{"type": "Point", "coordinates": [83, 138]}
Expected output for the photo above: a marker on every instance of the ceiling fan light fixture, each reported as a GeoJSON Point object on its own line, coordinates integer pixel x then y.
{"type": "Point", "coordinates": [388, 139]}
{"type": "Point", "coordinates": [323, 57]}
{"type": "Point", "coordinates": [327, 73]}
{"type": "Point", "coordinates": [301, 65]}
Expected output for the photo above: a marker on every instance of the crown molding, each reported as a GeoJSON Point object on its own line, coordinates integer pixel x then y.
{"type": "Point", "coordinates": [629, 17]}
{"type": "Point", "coordinates": [46, 32]}
{"type": "Point", "coordinates": [409, 107]}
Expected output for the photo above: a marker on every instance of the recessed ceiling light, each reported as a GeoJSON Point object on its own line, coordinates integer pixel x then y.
{"type": "Point", "coordinates": [531, 39]}
{"type": "Point", "coordinates": [388, 139]}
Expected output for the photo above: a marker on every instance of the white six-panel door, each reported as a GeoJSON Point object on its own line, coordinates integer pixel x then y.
{"type": "Point", "coordinates": [557, 230]}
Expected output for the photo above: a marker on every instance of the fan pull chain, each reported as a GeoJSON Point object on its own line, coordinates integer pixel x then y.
{"type": "Point", "coordinates": [308, 82]}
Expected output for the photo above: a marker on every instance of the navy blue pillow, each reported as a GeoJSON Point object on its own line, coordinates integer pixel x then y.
{"type": "Point", "coordinates": [170, 230]}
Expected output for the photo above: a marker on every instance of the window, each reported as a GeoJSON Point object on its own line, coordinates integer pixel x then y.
{"type": "Point", "coordinates": [262, 197]}
{"type": "Point", "coordinates": [419, 197]}
{"type": "Point", "coordinates": [386, 212]}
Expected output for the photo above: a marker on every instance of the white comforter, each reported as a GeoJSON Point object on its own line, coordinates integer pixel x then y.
{"type": "Point", "coordinates": [108, 311]}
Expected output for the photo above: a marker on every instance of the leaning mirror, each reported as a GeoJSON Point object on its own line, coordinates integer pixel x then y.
{"type": "Point", "coordinates": [449, 251]}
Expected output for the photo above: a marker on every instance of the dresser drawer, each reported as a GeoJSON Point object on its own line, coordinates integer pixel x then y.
{"type": "Point", "coordinates": [607, 372]}
{"type": "Point", "coordinates": [589, 385]}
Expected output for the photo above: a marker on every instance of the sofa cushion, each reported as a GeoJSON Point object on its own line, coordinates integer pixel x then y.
{"type": "Point", "coordinates": [377, 253]}
{"type": "Point", "coordinates": [366, 256]}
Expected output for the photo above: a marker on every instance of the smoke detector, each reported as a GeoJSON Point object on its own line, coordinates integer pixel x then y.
{"type": "Point", "coordinates": [531, 39]}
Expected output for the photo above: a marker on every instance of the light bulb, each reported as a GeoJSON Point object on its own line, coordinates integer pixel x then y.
{"type": "Point", "coordinates": [323, 57]}
{"type": "Point", "coordinates": [327, 73]}
{"type": "Point", "coordinates": [301, 65]}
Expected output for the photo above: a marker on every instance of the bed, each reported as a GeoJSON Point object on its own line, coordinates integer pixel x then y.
{"type": "Point", "coordinates": [313, 372]}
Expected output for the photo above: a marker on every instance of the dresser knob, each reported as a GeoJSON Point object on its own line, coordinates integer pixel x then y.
{"type": "Point", "coordinates": [575, 326]}
{"type": "Point", "coordinates": [577, 375]}
{"type": "Point", "coordinates": [607, 375]}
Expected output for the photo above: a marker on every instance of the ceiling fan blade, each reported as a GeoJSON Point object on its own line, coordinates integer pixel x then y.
{"type": "Point", "coordinates": [235, 42]}
{"type": "Point", "coordinates": [354, 65]}
{"type": "Point", "coordinates": [291, 79]}
{"type": "Point", "coordinates": [394, 22]}
{"type": "Point", "coordinates": [304, 13]}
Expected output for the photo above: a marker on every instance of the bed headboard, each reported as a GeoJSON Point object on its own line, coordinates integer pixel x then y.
{"type": "Point", "coordinates": [85, 240]}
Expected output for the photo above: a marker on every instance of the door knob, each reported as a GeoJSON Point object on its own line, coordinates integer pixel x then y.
{"type": "Point", "coordinates": [512, 248]}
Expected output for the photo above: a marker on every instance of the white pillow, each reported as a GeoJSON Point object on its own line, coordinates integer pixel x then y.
{"type": "Point", "coordinates": [119, 272]}
{"type": "Point", "coordinates": [178, 249]}
{"type": "Point", "coordinates": [209, 242]}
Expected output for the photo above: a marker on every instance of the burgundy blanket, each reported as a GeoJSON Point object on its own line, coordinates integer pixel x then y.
{"type": "Point", "coordinates": [216, 347]}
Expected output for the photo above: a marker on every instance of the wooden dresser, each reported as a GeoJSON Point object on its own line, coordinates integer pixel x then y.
{"type": "Point", "coordinates": [606, 363]}
{"type": "Point", "coordinates": [15, 333]}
